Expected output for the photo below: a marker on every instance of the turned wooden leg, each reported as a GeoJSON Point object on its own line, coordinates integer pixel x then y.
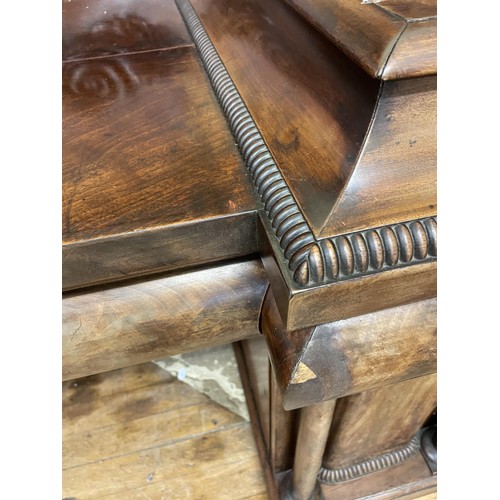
{"type": "Point", "coordinates": [314, 427]}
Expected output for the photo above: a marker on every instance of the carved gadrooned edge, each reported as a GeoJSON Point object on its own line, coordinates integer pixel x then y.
{"type": "Point", "coordinates": [287, 221]}
{"type": "Point", "coordinates": [365, 252]}
{"type": "Point", "coordinates": [310, 262]}
{"type": "Point", "coordinates": [384, 461]}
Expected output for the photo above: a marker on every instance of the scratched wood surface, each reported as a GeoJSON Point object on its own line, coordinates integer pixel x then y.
{"type": "Point", "coordinates": [125, 325]}
{"type": "Point", "coordinates": [139, 433]}
{"type": "Point", "coordinates": [152, 179]}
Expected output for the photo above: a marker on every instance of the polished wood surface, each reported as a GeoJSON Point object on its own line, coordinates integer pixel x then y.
{"type": "Point", "coordinates": [301, 307]}
{"type": "Point", "coordinates": [311, 104]}
{"type": "Point", "coordinates": [98, 28]}
{"type": "Point", "coordinates": [164, 214]}
{"type": "Point", "coordinates": [149, 166]}
{"type": "Point", "coordinates": [416, 51]}
{"type": "Point", "coordinates": [394, 178]}
{"type": "Point", "coordinates": [415, 10]}
{"type": "Point", "coordinates": [389, 177]}
{"type": "Point", "coordinates": [121, 326]}
{"type": "Point", "coordinates": [371, 33]}
{"type": "Point", "coordinates": [346, 357]}
{"type": "Point", "coordinates": [139, 433]}
{"type": "Point", "coordinates": [378, 421]}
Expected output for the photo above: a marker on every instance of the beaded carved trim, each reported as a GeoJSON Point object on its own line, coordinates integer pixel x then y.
{"type": "Point", "coordinates": [371, 465]}
{"type": "Point", "coordinates": [311, 262]}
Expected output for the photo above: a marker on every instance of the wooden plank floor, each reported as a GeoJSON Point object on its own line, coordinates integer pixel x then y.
{"type": "Point", "coordinates": [138, 433]}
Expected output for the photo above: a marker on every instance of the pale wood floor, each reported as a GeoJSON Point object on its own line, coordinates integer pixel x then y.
{"type": "Point", "coordinates": [138, 433]}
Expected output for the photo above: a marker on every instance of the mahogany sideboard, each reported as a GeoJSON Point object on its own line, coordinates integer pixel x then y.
{"type": "Point", "coordinates": [263, 172]}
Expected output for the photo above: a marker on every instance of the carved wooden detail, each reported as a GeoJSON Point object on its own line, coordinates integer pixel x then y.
{"type": "Point", "coordinates": [371, 465]}
{"type": "Point", "coordinates": [365, 252]}
{"type": "Point", "coordinates": [311, 262]}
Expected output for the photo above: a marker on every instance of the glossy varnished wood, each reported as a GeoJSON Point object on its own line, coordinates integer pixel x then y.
{"type": "Point", "coordinates": [305, 307]}
{"type": "Point", "coordinates": [311, 104]}
{"type": "Point", "coordinates": [315, 421]}
{"type": "Point", "coordinates": [371, 33]}
{"type": "Point", "coordinates": [394, 179]}
{"type": "Point", "coordinates": [147, 161]}
{"type": "Point", "coordinates": [130, 324]}
{"type": "Point", "coordinates": [391, 180]}
{"type": "Point", "coordinates": [378, 421]}
{"type": "Point", "coordinates": [94, 28]}
{"type": "Point", "coordinates": [350, 356]}
{"type": "Point", "coordinates": [416, 10]}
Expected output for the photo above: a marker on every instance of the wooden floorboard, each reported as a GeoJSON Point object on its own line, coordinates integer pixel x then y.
{"type": "Point", "coordinates": [138, 433]}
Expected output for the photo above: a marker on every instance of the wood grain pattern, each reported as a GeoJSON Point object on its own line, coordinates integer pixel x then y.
{"type": "Point", "coordinates": [121, 326]}
{"type": "Point", "coordinates": [285, 217]}
{"type": "Point", "coordinates": [336, 359]}
{"type": "Point", "coordinates": [95, 28]}
{"type": "Point", "coordinates": [315, 422]}
{"type": "Point", "coordinates": [279, 427]}
{"type": "Point", "coordinates": [377, 421]}
{"type": "Point", "coordinates": [364, 32]}
{"type": "Point", "coordinates": [255, 411]}
{"type": "Point", "coordinates": [405, 60]}
{"type": "Point", "coordinates": [395, 176]}
{"type": "Point", "coordinates": [160, 439]}
{"type": "Point", "coordinates": [410, 480]}
{"type": "Point", "coordinates": [311, 104]}
{"type": "Point", "coordinates": [304, 307]}
{"type": "Point", "coordinates": [145, 147]}
{"type": "Point", "coordinates": [412, 11]}
{"type": "Point", "coordinates": [370, 33]}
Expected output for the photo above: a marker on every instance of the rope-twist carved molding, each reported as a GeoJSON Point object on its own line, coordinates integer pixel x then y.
{"type": "Point", "coordinates": [371, 465]}
{"type": "Point", "coordinates": [310, 261]}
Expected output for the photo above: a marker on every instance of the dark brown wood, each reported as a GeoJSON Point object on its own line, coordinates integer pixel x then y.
{"type": "Point", "coordinates": [152, 179]}
{"type": "Point", "coordinates": [279, 427]}
{"type": "Point", "coordinates": [96, 28]}
{"type": "Point", "coordinates": [354, 294]}
{"type": "Point", "coordinates": [258, 372]}
{"type": "Point", "coordinates": [346, 357]}
{"type": "Point", "coordinates": [253, 409]}
{"type": "Point", "coordinates": [311, 104]}
{"type": "Point", "coordinates": [371, 33]}
{"type": "Point", "coordinates": [416, 10]}
{"type": "Point", "coordinates": [416, 51]}
{"type": "Point", "coordinates": [314, 426]}
{"type": "Point", "coordinates": [374, 422]}
{"type": "Point", "coordinates": [138, 322]}
{"type": "Point", "coordinates": [394, 179]}
{"type": "Point", "coordinates": [410, 480]}
{"type": "Point", "coordinates": [396, 198]}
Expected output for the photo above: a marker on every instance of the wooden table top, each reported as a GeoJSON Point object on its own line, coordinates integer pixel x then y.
{"type": "Point", "coordinates": [183, 121]}
{"type": "Point", "coordinates": [149, 165]}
